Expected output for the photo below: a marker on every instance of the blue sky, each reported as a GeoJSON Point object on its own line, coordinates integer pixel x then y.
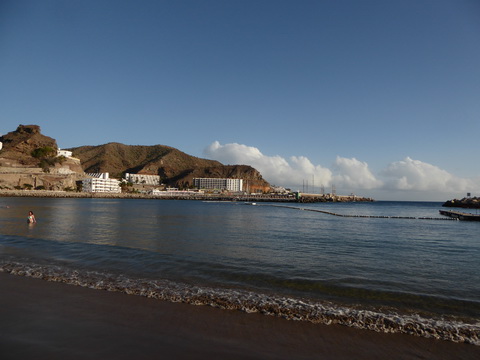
{"type": "Point", "coordinates": [380, 98]}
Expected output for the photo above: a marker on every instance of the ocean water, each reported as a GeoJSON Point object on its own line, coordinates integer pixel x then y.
{"type": "Point", "coordinates": [384, 266]}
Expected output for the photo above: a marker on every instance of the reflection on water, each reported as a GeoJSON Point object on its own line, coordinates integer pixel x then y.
{"type": "Point", "coordinates": [258, 247]}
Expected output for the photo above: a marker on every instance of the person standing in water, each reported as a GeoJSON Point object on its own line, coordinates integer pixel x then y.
{"type": "Point", "coordinates": [31, 218]}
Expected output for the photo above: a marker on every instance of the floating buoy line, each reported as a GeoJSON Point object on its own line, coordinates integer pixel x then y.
{"type": "Point", "coordinates": [362, 216]}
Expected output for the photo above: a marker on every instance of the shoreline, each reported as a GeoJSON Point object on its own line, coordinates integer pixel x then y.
{"type": "Point", "coordinates": [49, 320]}
{"type": "Point", "coordinates": [305, 198]}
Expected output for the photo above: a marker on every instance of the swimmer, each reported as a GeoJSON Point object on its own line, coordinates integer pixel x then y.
{"type": "Point", "coordinates": [31, 218]}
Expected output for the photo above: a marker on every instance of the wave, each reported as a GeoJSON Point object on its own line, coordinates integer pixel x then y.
{"type": "Point", "coordinates": [233, 299]}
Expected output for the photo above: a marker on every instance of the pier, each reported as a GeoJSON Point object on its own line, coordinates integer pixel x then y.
{"type": "Point", "coordinates": [460, 215]}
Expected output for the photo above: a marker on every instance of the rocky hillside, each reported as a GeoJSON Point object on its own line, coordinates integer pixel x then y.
{"type": "Point", "coordinates": [28, 147]}
{"type": "Point", "coordinates": [174, 166]}
{"type": "Point", "coordinates": [29, 159]}
{"type": "Point", "coordinates": [18, 145]}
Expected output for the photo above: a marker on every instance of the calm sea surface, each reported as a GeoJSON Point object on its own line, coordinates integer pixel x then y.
{"type": "Point", "coordinates": [387, 274]}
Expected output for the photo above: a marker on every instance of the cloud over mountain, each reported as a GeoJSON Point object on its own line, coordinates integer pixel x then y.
{"type": "Point", "coordinates": [347, 174]}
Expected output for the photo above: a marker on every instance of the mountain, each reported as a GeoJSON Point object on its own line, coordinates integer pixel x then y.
{"type": "Point", "coordinates": [174, 166]}
{"type": "Point", "coordinates": [29, 158]}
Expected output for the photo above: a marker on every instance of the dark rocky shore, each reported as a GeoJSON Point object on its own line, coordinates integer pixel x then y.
{"type": "Point", "coordinates": [470, 203]}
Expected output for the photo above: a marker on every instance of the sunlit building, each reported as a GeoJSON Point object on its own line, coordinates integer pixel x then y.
{"type": "Point", "coordinates": [218, 184]}
{"type": "Point", "coordinates": [66, 153]}
{"type": "Point", "coordinates": [101, 183]}
{"type": "Point", "coordinates": [143, 179]}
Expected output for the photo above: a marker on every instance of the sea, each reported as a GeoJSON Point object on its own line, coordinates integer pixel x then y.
{"type": "Point", "coordinates": [396, 267]}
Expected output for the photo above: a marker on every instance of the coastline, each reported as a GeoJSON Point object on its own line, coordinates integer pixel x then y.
{"type": "Point", "coordinates": [48, 320]}
{"type": "Point", "coordinates": [305, 198]}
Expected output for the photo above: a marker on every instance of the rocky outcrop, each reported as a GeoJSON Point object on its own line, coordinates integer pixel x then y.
{"type": "Point", "coordinates": [28, 160]}
{"type": "Point", "coordinates": [18, 146]}
{"type": "Point", "coordinates": [469, 202]}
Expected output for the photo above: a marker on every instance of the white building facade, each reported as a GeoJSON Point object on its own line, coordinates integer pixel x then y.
{"type": "Point", "coordinates": [219, 184]}
{"type": "Point", "coordinates": [65, 153]}
{"type": "Point", "coordinates": [101, 183]}
{"type": "Point", "coordinates": [143, 179]}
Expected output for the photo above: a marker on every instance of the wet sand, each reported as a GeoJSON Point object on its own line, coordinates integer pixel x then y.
{"type": "Point", "coordinates": [46, 320]}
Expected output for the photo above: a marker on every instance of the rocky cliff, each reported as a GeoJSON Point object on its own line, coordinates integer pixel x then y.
{"type": "Point", "coordinates": [18, 145]}
{"type": "Point", "coordinates": [28, 159]}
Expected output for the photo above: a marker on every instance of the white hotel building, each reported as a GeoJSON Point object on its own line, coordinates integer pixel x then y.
{"type": "Point", "coordinates": [218, 183]}
{"type": "Point", "coordinates": [101, 183]}
{"type": "Point", "coordinates": [143, 179]}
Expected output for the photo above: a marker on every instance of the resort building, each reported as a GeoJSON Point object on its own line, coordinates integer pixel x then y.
{"type": "Point", "coordinates": [143, 179]}
{"type": "Point", "coordinates": [218, 184]}
{"type": "Point", "coordinates": [101, 183]}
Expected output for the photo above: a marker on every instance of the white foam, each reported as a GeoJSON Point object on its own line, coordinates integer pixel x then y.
{"type": "Point", "coordinates": [285, 307]}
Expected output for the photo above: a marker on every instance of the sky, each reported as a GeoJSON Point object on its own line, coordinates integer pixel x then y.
{"type": "Point", "coordinates": [378, 98]}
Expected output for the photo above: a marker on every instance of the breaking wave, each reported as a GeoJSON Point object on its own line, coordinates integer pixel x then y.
{"type": "Point", "coordinates": [233, 299]}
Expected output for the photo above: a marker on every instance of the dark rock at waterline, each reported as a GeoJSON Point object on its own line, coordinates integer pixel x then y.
{"type": "Point", "coordinates": [470, 202]}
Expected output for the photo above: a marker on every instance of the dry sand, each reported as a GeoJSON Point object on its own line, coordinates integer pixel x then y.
{"type": "Point", "coordinates": [46, 320]}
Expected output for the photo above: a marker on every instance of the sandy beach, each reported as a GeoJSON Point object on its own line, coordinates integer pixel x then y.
{"type": "Point", "coordinates": [47, 320]}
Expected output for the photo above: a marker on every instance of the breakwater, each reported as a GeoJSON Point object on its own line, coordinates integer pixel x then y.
{"type": "Point", "coordinates": [187, 196]}
{"type": "Point", "coordinates": [469, 203]}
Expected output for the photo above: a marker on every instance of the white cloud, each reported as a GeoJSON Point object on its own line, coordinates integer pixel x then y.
{"type": "Point", "coordinates": [347, 174]}
{"type": "Point", "coordinates": [275, 169]}
{"type": "Point", "coordinates": [355, 174]}
{"type": "Point", "coordinates": [409, 174]}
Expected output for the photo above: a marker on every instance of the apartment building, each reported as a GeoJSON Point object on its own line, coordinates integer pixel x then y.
{"type": "Point", "coordinates": [101, 183]}
{"type": "Point", "coordinates": [218, 184]}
